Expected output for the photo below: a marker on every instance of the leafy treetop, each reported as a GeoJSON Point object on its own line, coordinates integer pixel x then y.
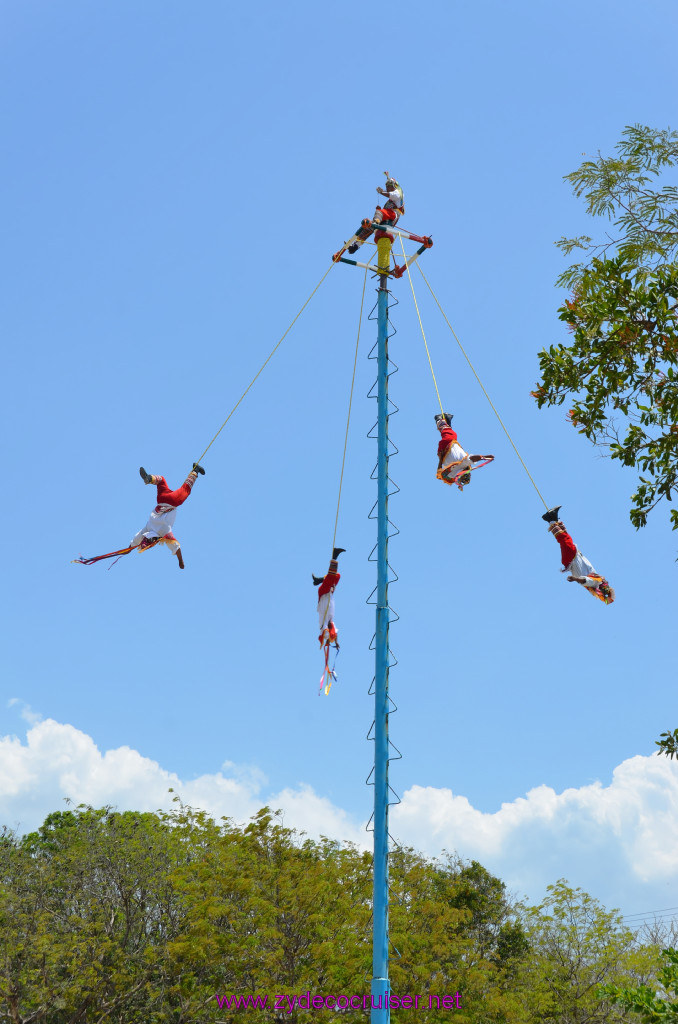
{"type": "Point", "coordinates": [620, 369]}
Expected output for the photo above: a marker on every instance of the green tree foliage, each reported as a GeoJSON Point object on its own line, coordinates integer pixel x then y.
{"type": "Point", "coordinates": [109, 918]}
{"type": "Point", "coordinates": [577, 947]}
{"type": "Point", "coordinates": [86, 906]}
{"type": "Point", "coordinates": [268, 915]}
{"type": "Point", "coordinates": [668, 743]}
{"type": "Point", "coordinates": [132, 918]}
{"type": "Point", "coordinates": [450, 922]}
{"type": "Point", "coordinates": [656, 1004]}
{"type": "Point", "coordinates": [620, 369]}
{"type": "Point", "coordinates": [492, 923]}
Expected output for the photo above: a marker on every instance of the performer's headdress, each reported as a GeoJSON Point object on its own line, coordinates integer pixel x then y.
{"type": "Point", "coordinates": [390, 181]}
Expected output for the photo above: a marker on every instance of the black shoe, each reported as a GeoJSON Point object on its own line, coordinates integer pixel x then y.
{"type": "Point", "coordinates": [146, 477]}
{"type": "Point", "coordinates": [317, 580]}
{"type": "Point", "coordinates": [336, 553]}
{"type": "Point", "coordinates": [552, 515]}
{"type": "Point", "coordinates": [353, 248]}
{"type": "Point", "coordinates": [198, 469]}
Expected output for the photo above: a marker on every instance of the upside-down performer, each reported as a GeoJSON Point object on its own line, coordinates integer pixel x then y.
{"type": "Point", "coordinates": [575, 563]}
{"type": "Point", "coordinates": [454, 464]}
{"type": "Point", "coordinates": [158, 529]}
{"type": "Point", "coordinates": [388, 214]}
{"type": "Point", "coordinates": [328, 631]}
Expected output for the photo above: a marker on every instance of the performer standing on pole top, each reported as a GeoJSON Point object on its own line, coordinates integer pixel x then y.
{"type": "Point", "coordinates": [575, 563]}
{"type": "Point", "coordinates": [454, 464]}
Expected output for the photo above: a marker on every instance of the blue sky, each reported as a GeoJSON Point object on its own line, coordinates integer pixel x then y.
{"type": "Point", "coordinates": [175, 180]}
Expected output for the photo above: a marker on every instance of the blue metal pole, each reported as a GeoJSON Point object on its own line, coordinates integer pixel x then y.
{"type": "Point", "coordinates": [380, 1012]}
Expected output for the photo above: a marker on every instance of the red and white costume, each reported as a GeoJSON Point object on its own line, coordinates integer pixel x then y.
{"type": "Point", "coordinates": [328, 631]}
{"type": "Point", "coordinates": [578, 566]}
{"type": "Point", "coordinates": [161, 519]}
{"type": "Point", "coordinates": [450, 451]}
{"type": "Point", "coordinates": [392, 208]}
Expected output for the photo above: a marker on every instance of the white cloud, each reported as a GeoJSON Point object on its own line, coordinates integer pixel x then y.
{"type": "Point", "coordinates": [27, 712]}
{"type": "Point", "coordinates": [619, 842]}
{"type": "Point", "coordinates": [58, 761]}
{"type": "Point", "coordinates": [624, 836]}
{"type": "Point", "coordinates": [316, 815]}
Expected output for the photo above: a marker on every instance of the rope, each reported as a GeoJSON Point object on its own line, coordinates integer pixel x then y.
{"type": "Point", "coordinates": [350, 402]}
{"type": "Point", "coordinates": [435, 382]}
{"type": "Point", "coordinates": [263, 365]}
{"type": "Point", "coordinates": [481, 385]}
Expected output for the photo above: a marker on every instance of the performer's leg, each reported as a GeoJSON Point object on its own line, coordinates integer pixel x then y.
{"type": "Point", "coordinates": [160, 484]}
{"type": "Point", "coordinates": [325, 610]}
{"type": "Point", "coordinates": [173, 544]}
{"type": "Point", "coordinates": [178, 497]}
{"type": "Point", "coordinates": [148, 478]}
{"type": "Point", "coordinates": [568, 548]}
{"type": "Point", "coordinates": [453, 466]}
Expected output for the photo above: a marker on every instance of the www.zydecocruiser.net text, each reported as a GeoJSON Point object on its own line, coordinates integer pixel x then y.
{"type": "Point", "coordinates": [289, 1003]}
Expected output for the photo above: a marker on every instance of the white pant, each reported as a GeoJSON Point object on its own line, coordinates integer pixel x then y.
{"type": "Point", "coordinates": [580, 566]}
{"type": "Point", "coordinates": [455, 453]}
{"type": "Point", "coordinates": [158, 525]}
{"type": "Point", "coordinates": [326, 610]}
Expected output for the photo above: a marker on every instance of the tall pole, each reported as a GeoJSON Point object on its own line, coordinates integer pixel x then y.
{"type": "Point", "coordinates": [380, 1013]}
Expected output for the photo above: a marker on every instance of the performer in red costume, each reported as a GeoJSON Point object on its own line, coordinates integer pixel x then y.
{"type": "Point", "coordinates": [575, 563]}
{"type": "Point", "coordinates": [158, 529]}
{"type": "Point", "coordinates": [454, 464]}
{"type": "Point", "coordinates": [161, 519]}
{"type": "Point", "coordinates": [326, 586]}
{"type": "Point", "coordinates": [328, 631]}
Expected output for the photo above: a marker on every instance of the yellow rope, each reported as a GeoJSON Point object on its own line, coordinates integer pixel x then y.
{"type": "Point", "coordinates": [350, 402]}
{"type": "Point", "coordinates": [435, 382]}
{"type": "Point", "coordinates": [263, 365]}
{"type": "Point", "coordinates": [481, 384]}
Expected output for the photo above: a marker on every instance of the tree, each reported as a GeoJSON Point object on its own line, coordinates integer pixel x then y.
{"type": "Point", "coordinates": [493, 925]}
{"type": "Point", "coordinates": [271, 914]}
{"type": "Point", "coordinates": [653, 1005]}
{"type": "Point", "coordinates": [620, 370]}
{"type": "Point", "coordinates": [145, 918]}
{"type": "Point", "coordinates": [86, 909]}
{"type": "Point", "coordinates": [577, 947]}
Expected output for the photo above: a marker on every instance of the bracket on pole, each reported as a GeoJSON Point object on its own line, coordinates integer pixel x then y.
{"type": "Point", "coordinates": [383, 231]}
